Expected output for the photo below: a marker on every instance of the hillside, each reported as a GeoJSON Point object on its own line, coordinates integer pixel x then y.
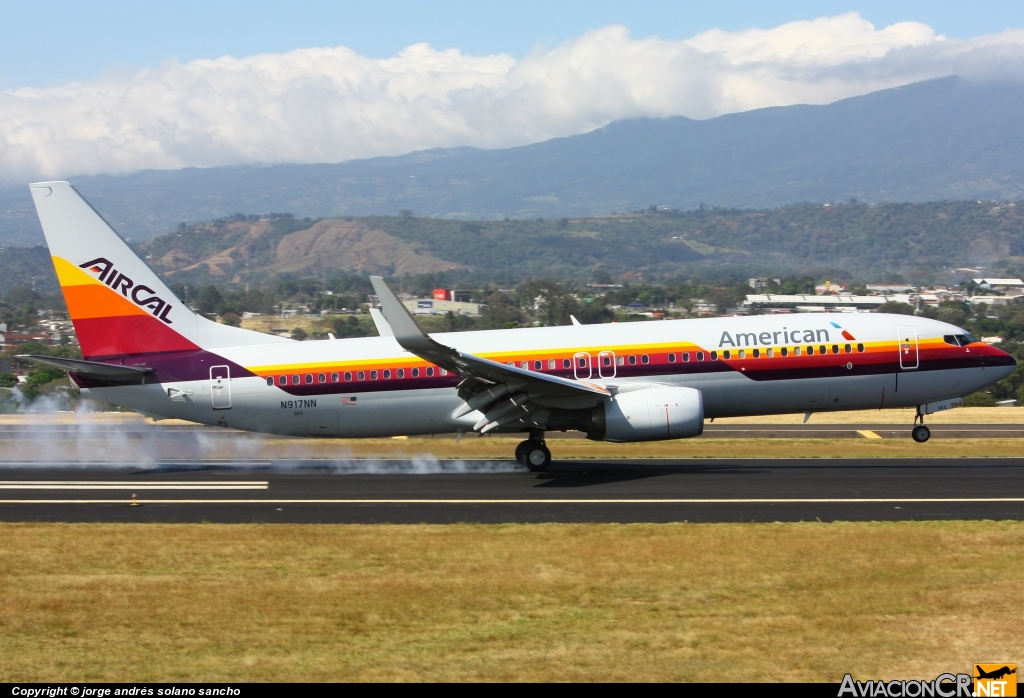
{"type": "Point", "coordinates": [945, 139]}
{"type": "Point", "coordinates": [865, 241]}
{"type": "Point", "coordinates": [869, 242]}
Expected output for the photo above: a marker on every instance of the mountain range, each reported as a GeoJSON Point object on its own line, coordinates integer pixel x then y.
{"type": "Point", "coordinates": [937, 140]}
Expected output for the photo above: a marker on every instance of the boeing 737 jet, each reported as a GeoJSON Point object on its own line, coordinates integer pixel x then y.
{"type": "Point", "coordinates": [145, 350]}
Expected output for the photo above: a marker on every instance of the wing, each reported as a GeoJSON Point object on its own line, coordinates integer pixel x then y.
{"type": "Point", "coordinates": [113, 373]}
{"type": "Point", "coordinates": [503, 394]}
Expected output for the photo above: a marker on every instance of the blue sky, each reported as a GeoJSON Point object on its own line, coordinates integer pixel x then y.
{"type": "Point", "coordinates": [43, 45]}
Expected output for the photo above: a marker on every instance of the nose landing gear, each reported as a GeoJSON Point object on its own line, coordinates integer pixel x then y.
{"type": "Point", "coordinates": [920, 432]}
{"type": "Point", "coordinates": [533, 453]}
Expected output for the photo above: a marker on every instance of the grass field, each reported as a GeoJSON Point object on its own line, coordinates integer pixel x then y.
{"type": "Point", "coordinates": [512, 602]}
{"type": "Point", "coordinates": [141, 451]}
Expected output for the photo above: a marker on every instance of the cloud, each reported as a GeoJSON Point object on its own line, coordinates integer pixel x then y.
{"type": "Point", "coordinates": [331, 104]}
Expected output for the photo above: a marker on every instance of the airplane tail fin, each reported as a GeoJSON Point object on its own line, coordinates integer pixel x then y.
{"type": "Point", "coordinates": [119, 306]}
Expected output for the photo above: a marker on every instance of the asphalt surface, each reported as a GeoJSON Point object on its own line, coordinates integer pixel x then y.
{"type": "Point", "coordinates": [649, 490]}
{"type": "Point", "coordinates": [720, 431]}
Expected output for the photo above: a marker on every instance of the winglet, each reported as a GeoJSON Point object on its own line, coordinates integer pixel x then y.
{"type": "Point", "coordinates": [574, 320]}
{"type": "Point", "coordinates": [383, 328]}
{"type": "Point", "coordinates": [406, 332]}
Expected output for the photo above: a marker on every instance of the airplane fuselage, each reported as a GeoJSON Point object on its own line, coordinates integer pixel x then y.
{"type": "Point", "coordinates": [741, 365]}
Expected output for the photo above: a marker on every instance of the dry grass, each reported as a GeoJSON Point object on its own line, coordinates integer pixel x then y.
{"type": "Point", "coordinates": [513, 602]}
{"type": "Point", "coordinates": [498, 448]}
{"type": "Point", "coordinates": [963, 415]}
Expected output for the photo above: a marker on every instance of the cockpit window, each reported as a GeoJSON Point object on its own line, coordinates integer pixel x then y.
{"type": "Point", "coordinates": [960, 340]}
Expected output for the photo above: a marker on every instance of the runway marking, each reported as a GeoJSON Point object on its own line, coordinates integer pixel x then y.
{"type": "Point", "coordinates": [869, 434]}
{"type": "Point", "coordinates": [137, 486]}
{"type": "Point", "coordinates": [936, 500]}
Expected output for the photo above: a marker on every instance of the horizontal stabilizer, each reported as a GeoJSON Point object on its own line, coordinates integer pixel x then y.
{"type": "Point", "coordinates": [93, 369]}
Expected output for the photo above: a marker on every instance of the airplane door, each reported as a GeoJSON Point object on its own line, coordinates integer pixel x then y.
{"type": "Point", "coordinates": [606, 364]}
{"type": "Point", "coordinates": [581, 365]}
{"type": "Point", "coordinates": [908, 348]}
{"type": "Point", "coordinates": [220, 387]}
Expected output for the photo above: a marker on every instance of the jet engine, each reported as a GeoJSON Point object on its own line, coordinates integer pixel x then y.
{"type": "Point", "coordinates": [650, 414]}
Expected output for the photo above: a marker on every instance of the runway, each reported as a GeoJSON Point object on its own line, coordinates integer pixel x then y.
{"type": "Point", "coordinates": [649, 490]}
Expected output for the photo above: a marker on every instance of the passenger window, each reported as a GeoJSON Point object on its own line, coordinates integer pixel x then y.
{"type": "Point", "coordinates": [632, 360]}
{"type": "Point", "coordinates": [606, 361]}
{"type": "Point", "coordinates": [296, 380]}
{"type": "Point", "coordinates": [444, 372]}
{"type": "Point", "coordinates": [566, 363]}
{"type": "Point", "coordinates": [645, 359]}
{"type": "Point", "coordinates": [361, 375]}
{"type": "Point", "coordinates": [741, 354]}
{"type": "Point", "coordinates": [582, 361]}
{"type": "Point", "coordinates": [823, 349]}
{"type": "Point", "coordinates": [726, 354]}
{"type": "Point", "coordinates": [400, 373]}
{"type": "Point", "coordinates": [860, 348]}
{"type": "Point", "coordinates": [373, 375]}
{"type": "Point", "coordinates": [770, 352]}
{"type": "Point", "coordinates": [700, 356]}
{"type": "Point", "coordinates": [270, 381]}
{"type": "Point", "coordinates": [757, 353]}
{"type": "Point", "coordinates": [714, 356]}
{"type": "Point", "coordinates": [282, 380]}
{"type": "Point", "coordinates": [512, 364]}
{"type": "Point", "coordinates": [334, 377]}
{"type": "Point", "coordinates": [796, 351]}
{"type": "Point", "coordinates": [671, 358]}
{"type": "Point", "coordinates": [430, 371]}
{"type": "Point", "coordinates": [309, 378]}
{"type": "Point", "coordinates": [686, 356]}
{"type": "Point", "coordinates": [348, 376]}
{"type": "Point", "coordinates": [551, 364]}
{"type": "Point", "coordinates": [524, 364]}
{"type": "Point", "coordinates": [415, 373]}
{"type": "Point", "coordinates": [387, 374]}
{"type": "Point", "coordinates": [810, 350]}
{"type": "Point", "coordinates": [322, 378]}
{"type": "Point", "coordinates": [538, 365]}
{"type": "Point", "coordinates": [847, 348]}
{"type": "Point", "coordinates": [619, 360]}
{"type": "Point", "coordinates": [835, 348]}
{"type": "Point", "coordinates": [784, 351]}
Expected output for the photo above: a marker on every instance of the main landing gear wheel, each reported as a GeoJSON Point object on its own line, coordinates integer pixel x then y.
{"type": "Point", "coordinates": [921, 433]}
{"type": "Point", "coordinates": [538, 457]}
{"type": "Point", "coordinates": [521, 452]}
{"type": "Point", "coordinates": [534, 455]}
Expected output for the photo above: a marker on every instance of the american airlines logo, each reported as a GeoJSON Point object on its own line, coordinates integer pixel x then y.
{"type": "Point", "coordinates": [142, 296]}
{"type": "Point", "coordinates": [754, 339]}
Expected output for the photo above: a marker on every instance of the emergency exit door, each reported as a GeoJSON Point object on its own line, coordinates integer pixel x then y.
{"type": "Point", "coordinates": [220, 387]}
{"type": "Point", "coordinates": [908, 348]}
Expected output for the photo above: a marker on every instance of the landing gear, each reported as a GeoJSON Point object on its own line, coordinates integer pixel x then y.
{"type": "Point", "coordinates": [920, 433]}
{"type": "Point", "coordinates": [534, 454]}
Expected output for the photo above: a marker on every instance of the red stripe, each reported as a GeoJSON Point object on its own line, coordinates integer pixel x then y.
{"type": "Point", "coordinates": [127, 334]}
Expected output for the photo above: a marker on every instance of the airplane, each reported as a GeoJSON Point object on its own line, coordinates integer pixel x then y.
{"type": "Point", "coordinates": [145, 350]}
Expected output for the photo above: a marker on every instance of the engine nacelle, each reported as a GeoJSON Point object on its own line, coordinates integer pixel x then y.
{"type": "Point", "coordinates": [650, 414]}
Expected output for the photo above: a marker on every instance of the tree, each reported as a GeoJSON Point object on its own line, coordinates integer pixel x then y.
{"type": "Point", "coordinates": [231, 319]}
{"type": "Point", "coordinates": [209, 300]}
{"type": "Point", "coordinates": [299, 334]}
{"type": "Point", "coordinates": [895, 308]}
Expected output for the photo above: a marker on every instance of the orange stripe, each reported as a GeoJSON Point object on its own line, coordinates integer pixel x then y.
{"type": "Point", "coordinates": [96, 300]}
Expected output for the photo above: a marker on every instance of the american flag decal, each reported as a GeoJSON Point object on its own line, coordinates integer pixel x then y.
{"type": "Point", "coordinates": [348, 401]}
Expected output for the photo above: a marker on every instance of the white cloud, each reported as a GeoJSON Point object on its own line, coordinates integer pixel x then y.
{"type": "Point", "coordinates": [331, 104]}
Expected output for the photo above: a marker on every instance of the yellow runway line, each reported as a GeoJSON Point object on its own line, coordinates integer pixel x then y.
{"type": "Point", "coordinates": [869, 434]}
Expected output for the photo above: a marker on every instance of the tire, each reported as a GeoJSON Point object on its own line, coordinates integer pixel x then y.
{"type": "Point", "coordinates": [521, 452]}
{"type": "Point", "coordinates": [538, 457]}
{"type": "Point", "coordinates": [921, 433]}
